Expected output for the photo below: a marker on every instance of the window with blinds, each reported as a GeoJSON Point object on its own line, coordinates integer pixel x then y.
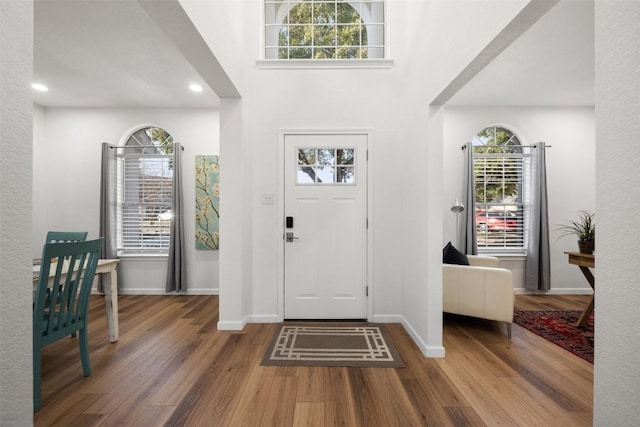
{"type": "Point", "coordinates": [499, 172]}
{"type": "Point", "coordinates": [145, 192]}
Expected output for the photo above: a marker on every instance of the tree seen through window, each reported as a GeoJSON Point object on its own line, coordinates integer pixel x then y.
{"type": "Point", "coordinates": [321, 30]}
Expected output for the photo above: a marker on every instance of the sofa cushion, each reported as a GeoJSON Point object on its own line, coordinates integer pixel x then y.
{"type": "Point", "coordinates": [450, 255]}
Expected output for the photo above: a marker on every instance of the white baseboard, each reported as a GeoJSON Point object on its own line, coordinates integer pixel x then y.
{"type": "Point", "coordinates": [555, 291]}
{"type": "Point", "coordinates": [157, 291]}
{"type": "Point", "coordinates": [427, 350]}
{"type": "Point", "coordinates": [264, 318]}
{"type": "Point", "coordinates": [203, 291]}
{"type": "Point", "coordinates": [231, 325]}
{"type": "Point", "coordinates": [387, 318]}
{"type": "Point", "coordinates": [435, 352]}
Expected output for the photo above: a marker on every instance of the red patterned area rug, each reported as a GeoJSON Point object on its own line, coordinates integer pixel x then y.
{"type": "Point", "coordinates": [559, 328]}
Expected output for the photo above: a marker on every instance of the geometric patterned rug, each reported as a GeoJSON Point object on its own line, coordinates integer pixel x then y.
{"type": "Point", "coordinates": [559, 327]}
{"type": "Point", "coordinates": [330, 345]}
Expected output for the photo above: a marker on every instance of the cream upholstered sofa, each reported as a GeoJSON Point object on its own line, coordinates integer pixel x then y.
{"type": "Point", "coordinates": [481, 289]}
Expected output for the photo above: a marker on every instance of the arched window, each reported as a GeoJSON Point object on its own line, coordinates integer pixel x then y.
{"type": "Point", "coordinates": [145, 191]}
{"type": "Point", "coordinates": [324, 29]}
{"type": "Point", "coordinates": [499, 172]}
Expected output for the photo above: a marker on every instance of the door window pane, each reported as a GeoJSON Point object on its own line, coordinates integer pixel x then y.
{"type": "Point", "coordinates": [344, 175]}
{"type": "Point", "coordinates": [325, 166]}
{"type": "Point", "coordinates": [345, 156]}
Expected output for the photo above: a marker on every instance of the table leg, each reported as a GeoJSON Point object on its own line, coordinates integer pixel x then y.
{"type": "Point", "coordinates": [110, 282]}
{"type": "Point", "coordinates": [584, 317]}
{"type": "Point", "coordinates": [589, 276]}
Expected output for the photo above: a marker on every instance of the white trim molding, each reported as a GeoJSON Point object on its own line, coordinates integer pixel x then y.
{"type": "Point", "coordinates": [162, 291]}
{"type": "Point", "coordinates": [265, 318]}
{"type": "Point", "coordinates": [555, 291]}
{"type": "Point", "coordinates": [427, 350]}
{"type": "Point", "coordinates": [296, 64]}
{"type": "Point", "coordinates": [282, 133]}
{"type": "Point", "coordinates": [232, 325]}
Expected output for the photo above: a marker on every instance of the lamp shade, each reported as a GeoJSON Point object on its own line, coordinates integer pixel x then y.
{"type": "Point", "coordinates": [457, 207]}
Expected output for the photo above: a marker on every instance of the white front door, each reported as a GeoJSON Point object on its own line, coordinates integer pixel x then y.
{"type": "Point", "coordinates": [325, 206]}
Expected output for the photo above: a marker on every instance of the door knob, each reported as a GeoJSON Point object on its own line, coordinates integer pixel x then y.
{"type": "Point", "coordinates": [289, 237]}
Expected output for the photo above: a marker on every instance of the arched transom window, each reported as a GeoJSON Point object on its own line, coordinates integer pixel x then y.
{"type": "Point", "coordinates": [324, 29]}
{"type": "Point", "coordinates": [499, 173]}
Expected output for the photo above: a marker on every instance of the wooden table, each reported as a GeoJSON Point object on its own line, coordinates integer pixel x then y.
{"type": "Point", "coordinates": [585, 262]}
{"type": "Point", "coordinates": [107, 268]}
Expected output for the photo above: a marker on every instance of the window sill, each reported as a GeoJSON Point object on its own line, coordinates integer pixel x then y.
{"type": "Point", "coordinates": [276, 64]}
{"type": "Point", "coordinates": [146, 257]}
{"type": "Point", "coordinates": [512, 256]}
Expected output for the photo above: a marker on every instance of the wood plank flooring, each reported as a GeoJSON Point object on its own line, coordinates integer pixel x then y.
{"type": "Point", "coordinates": [172, 367]}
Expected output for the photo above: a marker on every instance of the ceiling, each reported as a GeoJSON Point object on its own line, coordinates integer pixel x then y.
{"type": "Point", "coordinates": [96, 53]}
{"type": "Point", "coordinates": [552, 64]}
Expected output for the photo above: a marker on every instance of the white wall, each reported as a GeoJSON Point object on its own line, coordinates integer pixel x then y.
{"type": "Point", "coordinates": [16, 69]}
{"type": "Point", "coordinates": [617, 47]}
{"type": "Point", "coordinates": [406, 157]}
{"type": "Point", "coordinates": [570, 173]}
{"type": "Point", "coordinates": [235, 256]}
{"type": "Point", "coordinates": [616, 371]}
{"type": "Point", "coordinates": [66, 162]}
{"type": "Point", "coordinates": [221, 25]}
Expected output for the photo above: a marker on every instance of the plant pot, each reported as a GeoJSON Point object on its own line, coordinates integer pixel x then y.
{"type": "Point", "coordinates": [586, 246]}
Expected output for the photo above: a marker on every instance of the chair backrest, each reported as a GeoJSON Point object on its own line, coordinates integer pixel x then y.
{"type": "Point", "coordinates": [62, 295]}
{"type": "Point", "coordinates": [66, 236]}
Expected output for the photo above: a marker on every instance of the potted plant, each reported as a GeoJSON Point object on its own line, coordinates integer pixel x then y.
{"type": "Point", "coordinates": [584, 229]}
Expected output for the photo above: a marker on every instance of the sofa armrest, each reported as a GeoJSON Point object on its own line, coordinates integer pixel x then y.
{"type": "Point", "coordinates": [483, 261]}
{"type": "Point", "coordinates": [483, 292]}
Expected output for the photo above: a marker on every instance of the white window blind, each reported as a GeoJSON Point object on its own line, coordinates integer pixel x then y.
{"type": "Point", "coordinates": [499, 200]}
{"type": "Point", "coordinates": [500, 173]}
{"type": "Point", "coordinates": [145, 193]}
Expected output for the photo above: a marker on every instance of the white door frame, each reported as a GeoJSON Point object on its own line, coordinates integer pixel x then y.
{"type": "Point", "coordinates": [281, 195]}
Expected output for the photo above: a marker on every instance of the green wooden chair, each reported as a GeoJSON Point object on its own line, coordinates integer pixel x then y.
{"type": "Point", "coordinates": [66, 236]}
{"type": "Point", "coordinates": [62, 310]}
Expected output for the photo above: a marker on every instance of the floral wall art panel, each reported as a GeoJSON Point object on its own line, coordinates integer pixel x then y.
{"type": "Point", "coordinates": [207, 202]}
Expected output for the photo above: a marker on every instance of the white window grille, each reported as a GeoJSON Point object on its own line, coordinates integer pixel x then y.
{"type": "Point", "coordinates": [326, 166]}
{"type": "Point", "coordinates": [324, 29]}
{"type": "Point", "coordinates": [145, 192]}
{"type": "Point", "coordinates": [500, 170]}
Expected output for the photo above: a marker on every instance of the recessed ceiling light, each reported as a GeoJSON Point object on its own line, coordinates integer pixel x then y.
{"type": "Point", "coordinates": [195, 87]}
{"type": "Point", "coordinates": [40, 87]}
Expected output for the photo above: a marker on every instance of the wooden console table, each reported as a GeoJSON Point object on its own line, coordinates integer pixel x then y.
{"type": "Point", "coordinates": [584, 262]}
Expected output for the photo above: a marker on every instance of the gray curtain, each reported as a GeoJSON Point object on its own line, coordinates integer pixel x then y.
{"type": "Point", "coordinates": [538, 269]}
{"type": "Point", "coordinates": [176, 269]}
{"type": "Point", "coordinates": [469, 233]}
{"type": "Point", "coordinates": [107, 206]}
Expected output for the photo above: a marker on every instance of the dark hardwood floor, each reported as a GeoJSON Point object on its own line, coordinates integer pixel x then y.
{"type": "Point", "coordinates": [172, 367]}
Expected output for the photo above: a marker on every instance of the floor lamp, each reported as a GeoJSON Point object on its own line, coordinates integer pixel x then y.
{"type": "Point", "coordinates": [456, 208]}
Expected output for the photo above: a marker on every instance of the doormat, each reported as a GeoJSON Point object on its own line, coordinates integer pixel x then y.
{"type": "Point", "coordinates": [328, 345]}
{"type": "Point", "coordinates": [559, 328]}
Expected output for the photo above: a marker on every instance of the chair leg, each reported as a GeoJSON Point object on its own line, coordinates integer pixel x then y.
{"type": "Point", "coordinates": [509, 330]}
{"type": "Point", "coordinates": [37, 367]}
{"type": "Point", "coordinates": [84, 352]}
